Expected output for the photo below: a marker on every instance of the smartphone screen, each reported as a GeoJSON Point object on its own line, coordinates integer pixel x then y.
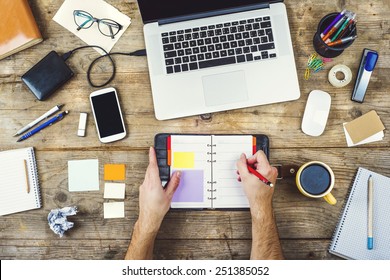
{"type": "Point", "coordinates": [108, 117]}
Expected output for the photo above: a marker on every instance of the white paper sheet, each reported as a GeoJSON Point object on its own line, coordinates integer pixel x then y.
{"type": "Point", "coordinates": [98, 9]}
{"type": "Point", "coordinates": [114, 190]}
{"type": "Point", "coordinates": [114, 210]}
{"type": "Point", "coordinates": [83, 175]}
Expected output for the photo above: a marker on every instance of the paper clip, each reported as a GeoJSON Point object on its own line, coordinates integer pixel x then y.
{"type": "Point", "coordinates": [314, 63]}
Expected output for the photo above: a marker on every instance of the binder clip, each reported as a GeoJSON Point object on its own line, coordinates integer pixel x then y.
{"type": "Point", "coordinates": [367, 65]}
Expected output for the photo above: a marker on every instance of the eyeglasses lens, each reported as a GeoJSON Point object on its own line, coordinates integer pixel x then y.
{"type": "Point", "coordinates": [109, 27]}
{"type": "Point", "coordinates": [83, 19]}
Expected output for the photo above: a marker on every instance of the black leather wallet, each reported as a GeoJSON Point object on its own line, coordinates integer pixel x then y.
{"type": "Point", "coordinates": [47, 76]}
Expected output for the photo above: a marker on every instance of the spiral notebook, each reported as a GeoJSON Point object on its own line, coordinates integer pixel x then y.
{"type": "Point", "coordinates": [19, 184]}
{"type": "Point", "coordinates": [350, 237]}
{"type": "Point", "coordinates": [208, 167]}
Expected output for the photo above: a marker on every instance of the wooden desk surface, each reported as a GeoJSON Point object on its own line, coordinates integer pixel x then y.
{"type": "Point", "coordinates": [305, 225]}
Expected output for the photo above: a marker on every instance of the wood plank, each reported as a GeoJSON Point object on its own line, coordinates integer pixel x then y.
{"type": "Point", "coordinates": [297, 216]}
{"type": "Point", "coordinates": [279, 121]}
{"type": "Point", "coordinates": [170, 249]}
{"type": "Point", "coordinates": [305, 225]}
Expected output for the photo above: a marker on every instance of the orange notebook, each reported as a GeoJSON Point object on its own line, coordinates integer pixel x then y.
{"type": "Point", "coordinates": [18, 29]}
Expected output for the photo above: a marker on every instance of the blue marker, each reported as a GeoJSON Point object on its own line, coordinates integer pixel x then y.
{"type": "Point", "coordinates": [44, 125]}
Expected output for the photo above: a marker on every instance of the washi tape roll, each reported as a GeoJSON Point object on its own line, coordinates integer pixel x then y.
{"type": "Point", "coordinates": [333, 75]}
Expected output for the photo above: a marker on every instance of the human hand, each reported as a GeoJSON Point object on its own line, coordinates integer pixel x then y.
{"type": "Point", "coordinates": [154, 200]}
{"type": "Point", "coordinates": [257, 192]}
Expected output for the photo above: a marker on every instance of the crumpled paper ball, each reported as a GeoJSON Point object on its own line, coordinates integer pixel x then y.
{"type": "Point", "coordinates": [57, 219]}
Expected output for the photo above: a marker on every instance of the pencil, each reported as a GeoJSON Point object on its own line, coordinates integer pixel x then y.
{"type": "Point", "coordinates": [370, 239]}
{"type": "Point", "coordinates": [27, 180]}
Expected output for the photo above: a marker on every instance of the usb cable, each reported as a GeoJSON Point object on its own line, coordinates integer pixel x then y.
{"type": "Point", "coordinates": [67, 55]}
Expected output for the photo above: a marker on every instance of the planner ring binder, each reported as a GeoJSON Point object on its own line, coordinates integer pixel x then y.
{"type": "Point", "coordinates": [208, 166]}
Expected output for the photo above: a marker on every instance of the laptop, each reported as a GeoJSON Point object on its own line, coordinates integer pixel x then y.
{"type": "Point", "coordinates": [207, 56]}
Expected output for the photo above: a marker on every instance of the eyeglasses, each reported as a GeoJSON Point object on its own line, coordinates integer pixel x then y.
{"type": "Point", "coordinates": [107, 27]}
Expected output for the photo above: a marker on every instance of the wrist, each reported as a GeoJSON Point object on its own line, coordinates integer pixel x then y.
{"type": "Point", "coordinates": [147, 227]}
{"type": "Point", "coordinates": [261, 210]}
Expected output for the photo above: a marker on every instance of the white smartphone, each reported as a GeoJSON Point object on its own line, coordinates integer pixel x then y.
{"type": "Point", "coordinates": [108, 115]}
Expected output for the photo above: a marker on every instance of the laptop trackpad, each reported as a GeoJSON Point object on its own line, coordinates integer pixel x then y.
{"type": "Point", "coordinates": [226, 88]}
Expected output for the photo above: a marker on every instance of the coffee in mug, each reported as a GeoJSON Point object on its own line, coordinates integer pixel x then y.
{"type": "Point", "coordinates": [316, 179]}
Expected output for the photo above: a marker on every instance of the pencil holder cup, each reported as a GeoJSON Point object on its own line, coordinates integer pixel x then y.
{"type": "Point", "coordinates": [320, 46]}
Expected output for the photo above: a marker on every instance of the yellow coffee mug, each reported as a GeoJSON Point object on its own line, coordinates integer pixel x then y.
{"type": "Point", "coordinates": [316, 179]}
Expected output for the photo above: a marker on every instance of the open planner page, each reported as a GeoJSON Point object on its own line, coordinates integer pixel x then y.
{"type": "Point", "coordinates": [191, 155]}
{"type": "Point", "coordinates": [228, 192]}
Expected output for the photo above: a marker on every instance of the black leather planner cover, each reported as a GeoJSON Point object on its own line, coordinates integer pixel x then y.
{"type": "Point", "coordinates": [48, 75]}
{"type": "Point", "coordinates": [160, 145]}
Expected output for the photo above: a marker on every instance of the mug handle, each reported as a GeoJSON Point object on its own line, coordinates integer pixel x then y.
{"type": "Point", "coordinates": [330, 199]}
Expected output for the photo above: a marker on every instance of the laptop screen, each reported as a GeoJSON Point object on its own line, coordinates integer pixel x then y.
{"type": "Point", "coordinates": [153, 10]}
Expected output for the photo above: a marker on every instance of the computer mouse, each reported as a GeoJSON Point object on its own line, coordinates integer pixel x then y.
{"type": "Point", "coordinates": [316, 113]}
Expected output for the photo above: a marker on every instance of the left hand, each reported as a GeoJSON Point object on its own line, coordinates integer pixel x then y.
{"type": "Point", "coordinates": [154, 200]}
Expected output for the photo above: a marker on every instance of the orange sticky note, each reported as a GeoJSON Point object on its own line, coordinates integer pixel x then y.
{"type": "Point", "coordinates": [115, 172]}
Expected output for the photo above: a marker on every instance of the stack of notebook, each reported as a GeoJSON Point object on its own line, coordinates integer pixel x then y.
{"type": "Point", "coordinates": [18, 29]}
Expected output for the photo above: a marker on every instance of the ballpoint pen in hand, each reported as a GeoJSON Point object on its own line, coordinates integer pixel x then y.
{"type": "Point", "coordinates": [261, 177]}
{"type": "Point", "coordinates": [44, 116]}
{"type": "Point", "coordinates": [44, 125]}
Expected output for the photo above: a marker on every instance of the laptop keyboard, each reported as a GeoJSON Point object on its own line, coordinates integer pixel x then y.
{"type": "Point", "coordinates": [218, 44]}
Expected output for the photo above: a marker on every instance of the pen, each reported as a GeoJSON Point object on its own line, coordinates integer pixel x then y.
{"type": "Point", "coordinates": [346, 22]}
{"type": "Point", "coordinates": [334, 28]}
{"type": "Point", "coordinates": [348, 29]}
{"type": "Point", "coordinates": [370, 239]}
{"type": "Point", "coordinates": [333, 22]}
{"type": "Point", "coordinates": [261, 177]}
{"type": "Point", "coordinates": [353, 29]}
{"type": "Point", "coordinates": [342, 41]}
{"type": "Point", "coordinates": [44, 125]}
{"type": "Point", "coordinates": [44, 116]}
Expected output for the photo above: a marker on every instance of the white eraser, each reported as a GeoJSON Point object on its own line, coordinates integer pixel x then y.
{"type": "Point", "coordinates": [82, 124]}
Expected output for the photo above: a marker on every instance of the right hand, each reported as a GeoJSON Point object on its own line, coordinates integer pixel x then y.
{"type": "Point", "coordinates": [258, 193]}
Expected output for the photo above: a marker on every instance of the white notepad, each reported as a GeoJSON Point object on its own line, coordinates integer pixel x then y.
{"type": "Point", "coordinates": [83, 175]}
{"type": "Point", "coordinates": [350, 237]}
{"type": "Point", "coordinates": [19, 184]}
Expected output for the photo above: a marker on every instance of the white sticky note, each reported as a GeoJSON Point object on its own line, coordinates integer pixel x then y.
{"type": "Point", "coordinates": [98, 9]}
{"type": "Point", "coordinates": [114, 190]}
{"type": "Point", "coordinates": [114, 210]}
{"type": "Point", "coordinates": [83, 175]}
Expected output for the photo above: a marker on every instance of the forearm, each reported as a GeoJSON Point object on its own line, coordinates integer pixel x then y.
{"type": "Point", "coordinates": [265, 237]}
{"type": "Point", "coordinates": [142, 243]}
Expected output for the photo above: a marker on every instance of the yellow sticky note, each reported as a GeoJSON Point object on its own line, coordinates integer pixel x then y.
{"type": "Point", "coordinates": [114, 172]}
{"type": "Point", "coordinates": [183, 160]}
